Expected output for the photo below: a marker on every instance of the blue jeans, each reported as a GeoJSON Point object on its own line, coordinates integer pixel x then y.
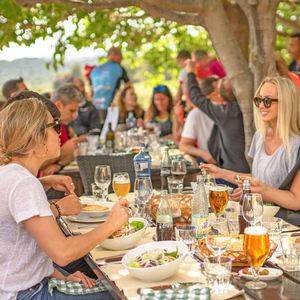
{"type": "Point", "coordinates": [40, 292]}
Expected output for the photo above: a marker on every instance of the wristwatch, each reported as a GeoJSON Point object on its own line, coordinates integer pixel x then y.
{"type": "Point", "coordinates": [60, 164]}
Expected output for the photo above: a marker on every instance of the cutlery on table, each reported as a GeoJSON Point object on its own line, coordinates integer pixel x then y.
{"type": "Point", "coordinates": [177, 286]}
{"type": "Point", "coordinates": [120, 256]}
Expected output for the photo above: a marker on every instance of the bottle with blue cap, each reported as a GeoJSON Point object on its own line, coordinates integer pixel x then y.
{"type": "Point", "coordinates": [142, 163]}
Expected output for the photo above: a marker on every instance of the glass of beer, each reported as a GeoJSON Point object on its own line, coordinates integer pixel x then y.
{"type": "Point", "coordinates": [256, 249]}
{"type": "Point", "coordinates": [121, 184]}
{"type": "Point", "coordinates": [218, 199]}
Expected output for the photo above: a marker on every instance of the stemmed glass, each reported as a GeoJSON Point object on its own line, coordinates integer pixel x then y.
{"type": "Point", "coordinates": [143, 191]}
{"type": "Point", "coordinates": [209, 181]}
{"type": "Point", "coordinates": [178, 169]}
{"type": "Point", "coordinates": [218, 199]}
{"type": "Point", "coordinates": [121, 184]}
{"type": "Point", "coordinates": [256, 248]}
{"type": "Point", "coordinates": [253, 208]}
{"type": "Point", "coordinates": [218, 235]}
{"type": "Point", "coordinates": [102, 177]}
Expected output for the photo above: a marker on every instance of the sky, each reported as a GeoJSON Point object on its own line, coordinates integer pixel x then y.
{"type": "Point", "coordinates": [44, 49]}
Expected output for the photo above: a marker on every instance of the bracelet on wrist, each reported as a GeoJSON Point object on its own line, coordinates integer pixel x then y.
{"type": "Point", "coordinates": [57, 207]}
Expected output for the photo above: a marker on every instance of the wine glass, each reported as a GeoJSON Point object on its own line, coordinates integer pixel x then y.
{"type": "Point", "coordinates": [209, 181]}
{"type": "Point", "coordinates": [102, 177]}
{"type": "Point", "coordinates": [256, 249]}
{"type": "Point", "coordinates": [121, 184]}
{"type": "Point", "coordinates": [143, 191]}
{"type": "Point", "coordinates": [218, 199]}
{"type": "Point", "coordinates": [218, 235]}
{"type": "Point", "coordinates": [253, 208]}
{"type": "Point", "coordinates": [178, 169]}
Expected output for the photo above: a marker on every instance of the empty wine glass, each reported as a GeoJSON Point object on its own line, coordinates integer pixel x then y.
{"type": "Point", "coordinates": [253, 208]}
{"type": "Point", "coordinates": [209, 181]}
{"type": "Point", "coordinates": [102, 177]}
{"type": "Point", "coordinates": [143, 191]}
{"type": "Point", "coordinates": [121, 184]}
{"type": "Point", "coordinates": [218, 235]}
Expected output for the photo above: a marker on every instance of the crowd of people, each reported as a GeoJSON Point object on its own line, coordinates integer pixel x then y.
{"type": "Point", "coordinates": [38, 137]}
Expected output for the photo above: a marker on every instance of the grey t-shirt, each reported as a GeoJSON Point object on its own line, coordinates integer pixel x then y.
{"type": "Point", "coordinates": [23, 263]}
{"type": "Point", "coordinates": [272, 169]}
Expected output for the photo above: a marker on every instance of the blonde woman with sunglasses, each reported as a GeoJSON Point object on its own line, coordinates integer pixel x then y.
{"type": "Point", "coordinates": [275, 147]}
{"type": "Point", "coordinates": [30, 239]}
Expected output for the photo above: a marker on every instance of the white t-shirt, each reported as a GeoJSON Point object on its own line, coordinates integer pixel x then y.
{"type": "Point", "coordinates": [272, 169]}
{"type": "Point", "coordinates": [198, 127]}
{"type": "Point", "coordinates": [23, 263]}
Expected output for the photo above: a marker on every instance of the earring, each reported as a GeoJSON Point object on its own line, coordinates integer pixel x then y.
{"type": "Point", "coordinates": [42, 154]}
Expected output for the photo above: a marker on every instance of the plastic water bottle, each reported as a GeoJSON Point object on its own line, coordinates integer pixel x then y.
{"type": "Point", "coordinates": [130, 121]}
{"type": "Point", "coordinates": [142, 163]}
{"type": "Point", "coordinates": [199, 211]}
{"type": "Point", "coordinates": [164, 219]}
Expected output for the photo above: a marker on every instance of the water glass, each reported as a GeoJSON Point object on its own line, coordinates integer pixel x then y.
{"type": "Point", "coordinates": [92, 141]}
{"type": "Point", "coordinates": [188, 235]}
{"type": "Point", "coordinates": [274, 228]}
{"type": "Point", "coordinates": [98, 193]}
{"type": "Point", "coordinates": [175, 186]}
{"type": "Point", "coordinates": [290, 253]}
{"type": "Point", "coordinates": [218, 271]}
{"type": "Point", "coordinates": [83, 148]}
{"type": "Point", "coordinates": [232, 216]}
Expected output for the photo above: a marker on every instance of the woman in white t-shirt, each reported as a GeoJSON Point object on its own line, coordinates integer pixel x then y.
{"type": "Point", "coordinates": [30, 239]}
{"type": "Point", "coordinates": [275, 145]}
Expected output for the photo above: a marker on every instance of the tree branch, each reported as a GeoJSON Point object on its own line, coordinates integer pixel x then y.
{"type": "Point", "coordinates": [85, 6]}
{"type": "Point", "coordinates": [281, 33]}
{"type": "Point", "coordinates": [294, 25]}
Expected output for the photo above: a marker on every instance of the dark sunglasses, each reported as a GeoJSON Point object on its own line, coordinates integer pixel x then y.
{"type": "Point", "coordinates": [56, 124]}
{"type": "Point", "coordinates": [161, 88]}
{"type": "Point", "coordinates": [267, 101]}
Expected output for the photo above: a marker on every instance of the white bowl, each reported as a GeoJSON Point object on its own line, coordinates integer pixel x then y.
{"type": "Point", "coordinates": [270, 211]}
{"type": "Point", "coordinates": [160, 272]}
{"type": "Point", "coordinates": [97, 214]}
{"type": "Point", "coordinates": [193, 185]}
{"type": "Point", "coordinates": [128, 241]}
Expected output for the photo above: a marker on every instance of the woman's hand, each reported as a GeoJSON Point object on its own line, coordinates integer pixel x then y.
{"type": "Point", "coordinates": [256, 185]}
{"type": "Point", "coordinates": [119, 214]}
{"type": "Point", "coordinates": [212, 169]}
{"type": "Point", "coordinates": [78, 276]}
{"type": "Point", "coordinates": [236, 194]}
{"type": "Point", "coordinates": [69, 205]}
{"type": "Point", "coordinates": [62, 183]}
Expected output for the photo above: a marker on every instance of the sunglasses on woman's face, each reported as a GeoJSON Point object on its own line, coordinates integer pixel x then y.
{"type": "Point", "coordinates": [56, 124]}
{"type": "Point", "coordinates": [161, 88]}
{"type": "Point", "coordinates": [267, 101]}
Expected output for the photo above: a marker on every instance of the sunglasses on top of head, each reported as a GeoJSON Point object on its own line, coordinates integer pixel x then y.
{"type": "Point", "coordinates": [160, 88]}
{"type": "Point", "coordinates": [56, 124]}
{"type": "Point", "coordinates": [267, 101]}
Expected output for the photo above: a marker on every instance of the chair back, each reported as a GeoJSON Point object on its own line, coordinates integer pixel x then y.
{"type": "Point", "coordinates": [117, 163]}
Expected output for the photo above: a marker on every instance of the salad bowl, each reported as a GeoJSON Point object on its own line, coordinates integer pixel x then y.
{"type": "Point", "coordinates": [94, 213]}
{"type": "Point", "coordinates": [160, 272]}
{"type": "Point", "coordinates": [126, 241]}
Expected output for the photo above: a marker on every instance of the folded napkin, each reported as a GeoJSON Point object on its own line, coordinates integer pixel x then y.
{"type": "Point", "coordinates": [198, 293]}
{"type": "Point", "coordinates": [74, 288]}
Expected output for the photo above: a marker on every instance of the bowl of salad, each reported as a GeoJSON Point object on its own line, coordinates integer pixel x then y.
{"type": "Point", "coordinates": [155, 261]}
{"type": "Point", "coordinates": [127, 236]}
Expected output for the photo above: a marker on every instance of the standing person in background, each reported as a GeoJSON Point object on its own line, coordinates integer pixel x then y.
{"type": "Point", "coordinates": [161, 111]}
{"type": "Point", "coordinates": [126, 101]}
{"type": "Point", "coordinates": [212, 64]}
{"type": "Point", "coordinates": [106, 80]}
{"type": "Point", "coordinates": [13, 86]}
{"type": "Point", "coordinates": [87, 120]}
{"type": "Point", "coordinates": [294, 51]}
{"type": "Point", "coordinates": [201, 71]}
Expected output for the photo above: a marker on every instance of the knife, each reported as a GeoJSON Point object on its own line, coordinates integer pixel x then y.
{"type": "Point", "coordinates": [177, 286]}
{"type": "Point", "coordinates": [109, 257]}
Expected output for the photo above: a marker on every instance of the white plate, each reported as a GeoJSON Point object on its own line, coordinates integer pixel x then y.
{"type": "Point", "coordinates": [273, 274]}
{"type": "Point", "coordinates": [86, 219]}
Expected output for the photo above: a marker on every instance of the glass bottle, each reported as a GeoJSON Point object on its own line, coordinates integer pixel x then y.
{"type": "Point", "coordinates": [142, 163]}
{"type": "Point", "coordinates": [109, 139]}
{"type": "Point", "coordinates": [164, 219]}
{"type": "Point", "coordinates": [199, 210]}
{"type": "Point", "coordinates": [242, 222]}
{"type": "Point", "coordinates": [130, 121]}
{"type": "Point", "coordinates": [165, 170]}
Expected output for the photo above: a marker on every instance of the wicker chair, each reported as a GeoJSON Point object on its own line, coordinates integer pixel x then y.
{"type": "Point", "coordinates": [117, 163]}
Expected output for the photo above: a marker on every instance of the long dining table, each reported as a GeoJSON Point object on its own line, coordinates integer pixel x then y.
{"type": "Point", "coordinates": [124, 286]}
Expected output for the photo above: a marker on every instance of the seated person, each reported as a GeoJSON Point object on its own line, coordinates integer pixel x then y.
{"type": "Point", "coordinates": [87, 120]}
{"type": "Point", "coordinates": [12, 87]}
{"type": "Point", "coordinates": [161, 111]}
{"type": "Point", "coordinates": [126, 101]}
{"type": "Point", "coordinates": [275, 147]}
{"type": "Point", "coordinates": [29, 137]}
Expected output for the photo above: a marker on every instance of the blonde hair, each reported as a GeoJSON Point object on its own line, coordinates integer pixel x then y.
{"type": "Point", "coordinates": [22, 128]}
{"type": "Point", "coordinates": [288, 120]}
{"type": "Point", "coordinates": [118, 101]}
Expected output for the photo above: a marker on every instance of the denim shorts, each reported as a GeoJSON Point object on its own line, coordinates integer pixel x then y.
{"type": "Point", "coordinates": [32, 291]}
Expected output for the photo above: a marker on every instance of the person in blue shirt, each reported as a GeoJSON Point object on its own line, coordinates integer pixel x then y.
{"type": "Point", "coordinates": [106, 80]}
